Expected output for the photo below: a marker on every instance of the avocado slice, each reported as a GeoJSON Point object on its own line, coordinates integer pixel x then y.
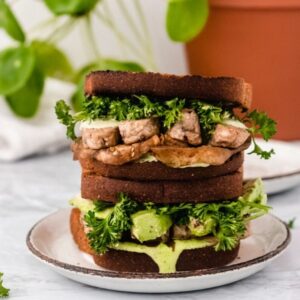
{"type": "Point", "coordinates": [254, 192]}
{"type": "Point", "coordinates": [202, 228]}
{"type": "Point", "coordinates": [86, 205]}
{"type": "Point", "coordinates": [148, 226]}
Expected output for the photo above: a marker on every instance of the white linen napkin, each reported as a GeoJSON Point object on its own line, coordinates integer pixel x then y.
{"type": "Point", "coordinates": [42, 134]}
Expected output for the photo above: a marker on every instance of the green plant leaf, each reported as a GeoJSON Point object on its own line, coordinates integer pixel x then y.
{"type": "Point", "coordinates": [71, 7]}
{"type": "Point", "coordinates": [78, 96]}
{"type": "Point", "coordinates": [117, 65]}
{"type": "Point", "coordinates": [52, 61]}
{"type": "Point", "coordinates": [186, 18]}
{"type": "Point", "coordinates": [107, 64]}
{"type": "Point", "coordinates": [16, 66]}
{"type": "Point", "coordinates": [4, 292]}
{"type": "Point", "coordinates": [25, 101]}
{"type": "Point", "coordinates": [84, 71]}
{"type": "Point", "coordinates": [9, 23]}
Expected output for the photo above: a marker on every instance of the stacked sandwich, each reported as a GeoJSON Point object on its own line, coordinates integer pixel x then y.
{"type": "Point", "coordinates": [162, 170]}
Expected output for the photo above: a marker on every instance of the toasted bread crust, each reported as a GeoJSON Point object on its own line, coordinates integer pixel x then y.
{"type": "Point", "coordinates": [213, 189]}
{"type": "Point", "coordinates": [157, 171]}
{"type": "Point", "coordinates": [231, 90]}
{"type": "Point", "coordinates": [124, 261]}
{"type": "Point", "coordinates": [78, 233]}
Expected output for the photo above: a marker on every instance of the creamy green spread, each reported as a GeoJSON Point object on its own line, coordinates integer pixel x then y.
{"type": "Point", "coordinates": [164, 256]}
{"type": "Point", "coordinates": [254, 192]}
{"type": "Point", "coordinates": [86, 205]}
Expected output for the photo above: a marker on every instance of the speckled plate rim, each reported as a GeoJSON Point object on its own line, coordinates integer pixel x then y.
{"type": "Point", "coordinates": [279, 176]}
{"type": "Point", "coordinates": [138, 275]}
{"type": "Point", "coordinates": [284, 174]}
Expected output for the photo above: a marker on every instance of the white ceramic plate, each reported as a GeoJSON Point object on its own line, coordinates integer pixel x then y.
{"type": "Point", "coordinates": [50, 241]}
{"type": "Point", "coordinates": [281, 172]}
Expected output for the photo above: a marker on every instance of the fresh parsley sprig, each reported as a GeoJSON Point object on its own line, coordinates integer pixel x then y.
{"type": "Point", "coordinates": [291, 223]}
{"type": "Point", "coordinates": [209, 116]}
{"type": "Point", "coordinates": [260, 152]}
{"type": "Point", "coordinates": [101, 205]}
{"type": "Point", "coordinates": [4, 292]}
{"type": "Point", "coordinates": [260, 123]}
{"type": "Point", "coordinates": [63, 113]}
{"type": "Point", "coordinates": [172, 111]}
{"type": "Point", "coordinates": [108, 231]}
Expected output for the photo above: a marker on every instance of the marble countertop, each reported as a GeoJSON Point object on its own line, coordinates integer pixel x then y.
{"type": "Point", "coordinates": [33, 188]}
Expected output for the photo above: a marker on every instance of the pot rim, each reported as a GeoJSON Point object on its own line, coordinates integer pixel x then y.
{"type": "Point", "coordinates": [256, 4]}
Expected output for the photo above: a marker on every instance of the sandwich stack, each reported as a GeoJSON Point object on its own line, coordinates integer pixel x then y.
{"type": "Point", "coordinates": [162, 170]}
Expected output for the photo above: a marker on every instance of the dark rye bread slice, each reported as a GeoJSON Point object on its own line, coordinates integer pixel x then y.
{"type": "Point", "coordinates": [157, 171]}
{"type": "Point", "coordinates": [124, 261]}
{"type": "Point", "coordinates": [213, 189]}
{"type": "Point", "coordinates": [231, 90]}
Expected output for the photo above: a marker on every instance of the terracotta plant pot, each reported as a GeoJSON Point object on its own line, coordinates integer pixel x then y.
{"type": "Point", "coordinates": [260, 41]}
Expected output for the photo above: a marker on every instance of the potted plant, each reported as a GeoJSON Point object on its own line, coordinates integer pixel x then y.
{"type": "Point", "coordinates": [257, 40]}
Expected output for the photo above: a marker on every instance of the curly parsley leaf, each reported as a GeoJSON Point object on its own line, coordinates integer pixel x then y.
{"type": "Point", "coordinates": [179, 213]}
{"type": "Point", "coordinates": [102, 205]}
{"type": "Point", "coordinates": [260, 152]}
{"type": "Point", "coordinates": [209, 116]}
{"type": "Point", "coordinates": [260, 123]}
{"type": "Point", "coordinates": [172, 112]}
{"type": "Point", "coordinates": [150, 108]}
{"type": "Point", "coordinates": [4, 292]}
{"type": "Point", "coordinates": [95, 108]}
{"type": "Point", "coordinates": [119, 109]}
{"type": "Point", "coordinates": [108, 231]}
{"type": "Point", "coordinates": [291, 223]}
{"type": "Point", "coordinates": [63, 114]}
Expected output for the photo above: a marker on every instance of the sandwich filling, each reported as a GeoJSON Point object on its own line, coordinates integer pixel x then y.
{"type": "Point", "coordinates": [118, 130]}
{"type": "Point", "coordinates": [164, 231]}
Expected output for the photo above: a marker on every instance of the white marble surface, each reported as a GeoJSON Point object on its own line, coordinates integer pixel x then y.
{"type": "Point", "coordinates": [35, 187]}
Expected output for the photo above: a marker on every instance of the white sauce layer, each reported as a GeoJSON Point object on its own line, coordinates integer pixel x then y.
{"type": "Point", "coordinates": [99, 124]}
{"type": "Point", "coordinates": [234, 123]}
{"type": "Point", "coordinates": [151, 158]}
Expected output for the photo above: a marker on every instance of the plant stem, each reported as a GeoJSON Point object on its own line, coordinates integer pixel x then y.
{"type": "Point", "coordinates": [43, 25]}
{"type": "Point", "coordinates": [112, 25]}
{"type": "Point", "coordinates": [121, 36]}
{"type": "Point", "coordinates": [142, 18]}
{"type": "Point", "coordinates": [143, 39]}
{"type": "Point", "coordinates": [149, 46]}
{"type": "Point", "coordinates": [62, 31]}
{"type": "Point", "coordinates": [130, 21]}
{"type": "Point", "coordinates": [91, 37]}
